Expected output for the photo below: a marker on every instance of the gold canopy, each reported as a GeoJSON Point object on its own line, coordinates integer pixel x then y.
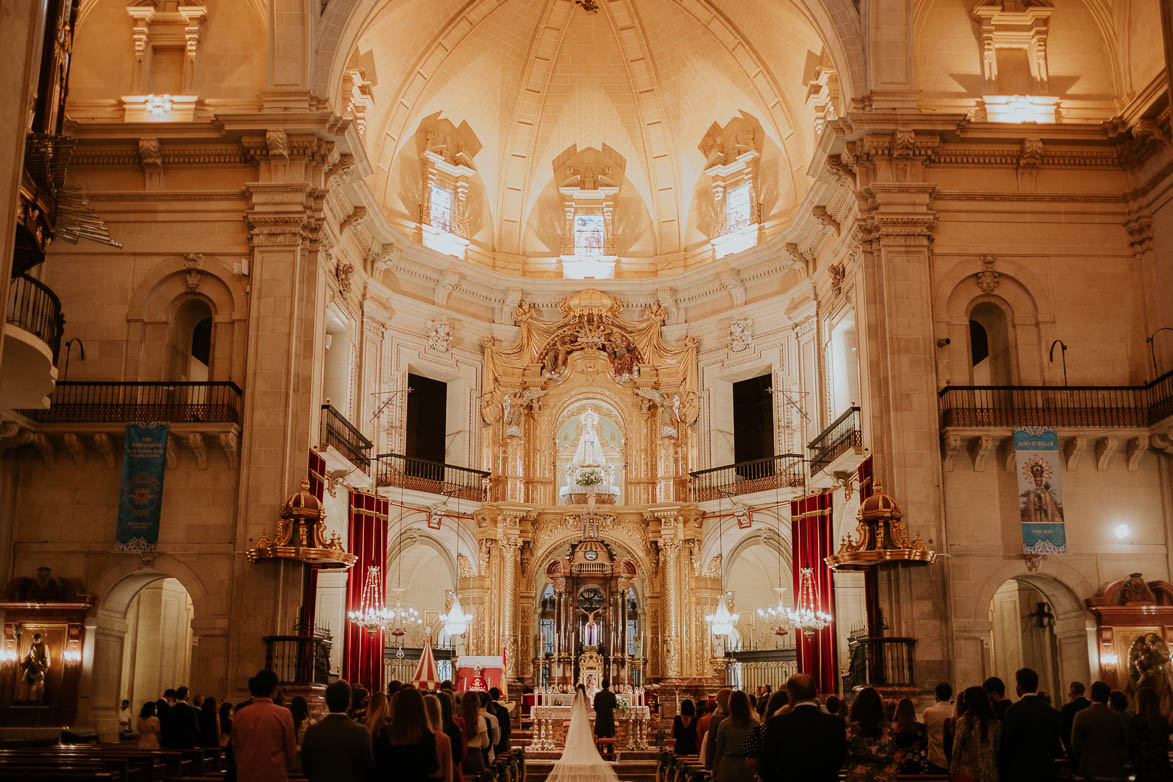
{"type": "Point", "coordinates": [301, 535]}
{"type": "Point", "coordinates": [881, 537]}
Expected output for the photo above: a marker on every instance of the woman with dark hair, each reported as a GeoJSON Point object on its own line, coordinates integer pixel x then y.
{"type": "Point", "coordinates": [910, 737]}
{"type": "Point", "coordinates": [1148, 739]}
{"type": "Point", "coordinates": [729, 761]}
{"type": "Point", "coordinates": [406, 749]}
{"type": "Point", "coordinates": [359, 698]}
{"type": "Point", "coordinates": [300, 709]}
{"type": "Point", "coordinates": [378, 713]}
{"type": "Point", "coordinates": [976, 735]}
{"type": "Point", "coordinates": [209, 724]}
{"type": "Point", "coordinates": [453, 731]}
{"type": "Point", "coordinates": [752, 747]}
{"type": "Point", "coordinates": [684, 729]}
{"type": "Point", "coordinates": [148, 727]}
{"type": "Point", "coordinates": [476, 736]}
{"type": "Point", "coordinates": [225, 723]}
{"type": "Point", "coordinates": [871, 751]}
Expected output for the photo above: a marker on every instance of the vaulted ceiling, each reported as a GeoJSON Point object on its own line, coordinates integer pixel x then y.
{"type": "Point", "coordinates": [533, 79]}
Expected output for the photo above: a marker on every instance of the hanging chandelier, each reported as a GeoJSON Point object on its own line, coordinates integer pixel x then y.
{"type": "Point", "coordinates": [778, 615]}
{"type": "Point", "coordinates": [806, 614]}
{"type": "Point", "coordinates": [455, 621]}
{"type": "Point", "coordinates": [722, 620]}
{"type": "Point", "coordinates": [400, 617]}
{"type": "Point", "coordinates": [372, 614]}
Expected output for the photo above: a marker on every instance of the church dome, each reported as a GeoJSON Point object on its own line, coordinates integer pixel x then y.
{"type": "Point", "coordinates": [521, 109]}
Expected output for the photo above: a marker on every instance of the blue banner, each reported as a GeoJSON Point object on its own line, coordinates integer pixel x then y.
{"type": "Point", "coordinates": [143, 464]}
{"type": "Point", "coordinates": [1040, 495]}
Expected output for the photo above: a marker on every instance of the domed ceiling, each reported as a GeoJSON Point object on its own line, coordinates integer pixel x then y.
{"type": "Point", "coordinates": [528, 96]}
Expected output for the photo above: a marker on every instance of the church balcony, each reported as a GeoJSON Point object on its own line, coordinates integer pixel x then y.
{"type": "Point", "coordinates": [424, 475]}
{"type": "Point", "coordinates": [32, 337]}
{"type": "Point", "coordinates": [839, 447]}
{"type": "Point", "coordinates": [977, 418]}
{"type": "Point", "coordinates": [345, 438]}
{"type": "Point", "coordinates": [93, 414]}
{"type": "Point", "coordinates": [772, 472]}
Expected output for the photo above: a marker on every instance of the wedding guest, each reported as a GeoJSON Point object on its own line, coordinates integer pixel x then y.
{"type": "Point", "coordinates": [935, 718]}
{"type": "Point", "coordinates": [802, 743]}
{"type": "Point", "coordinates": [453, 732]}
{"type": "Point", "coordinates": [504, 722]}
{"type": "Point", "coordinates": [477, 740]}
{"type": "Point", "coordinates": [996, 689]}
{"type": "Point", "coordinates": [406, 749]}
{"type": "Point", "coordinates": [359, 700]}
{"type": "Point", "coordinates": [1148, 739]}
{"type": "Point", "coordinates": [124, 716]}
{"type": "Point", "coordinates": [264, 744]}
{"type": "Point", "coordinates": [336, 748]}
{"type": "Point", "coordinates": [715, 724]}
{"type": "Point", "coordinates": [1030, 734]}
{"type": "Point", "coordinates": [209, 725]}
{"type": "Point", "coordinates": [752, 747]}
{"type": "Point", "coordinates": [909, 737]}
{"type": "Point", "coordinates": [378, 712]}
{"type": "Point", "coordinates": [871, 752]}
{"type": "Point", "coordinates": [729, 763]}
{"type": "Point", "coordinates": [435, 717]}
{"type": "Point", "coordinates": [976, 735]}
{"type": "Point", "coordinates": [1076, 702]}
{"type": "Point", "coordinates": [704, 715]}
{"type": "Point", "coordinates": [494, 725]}
{"type": "Point", "coordinates": [225, 723]}
{"type": "Point", "coordinates": [300, 709]}
{"type": "Point", "coordinates": [184, 722]}
{"type": "Point", "coordinates": [684, 729]}
{"type": "Point", "coordinates": [1098, 738]}
{"type": "Point", "coordinates": [148, 727]}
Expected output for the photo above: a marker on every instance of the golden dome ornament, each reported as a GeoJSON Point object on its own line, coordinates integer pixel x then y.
{"type": "Point", "coordinates": [881, 537]}
{"type": "Point", "coordinates": [301, 535]}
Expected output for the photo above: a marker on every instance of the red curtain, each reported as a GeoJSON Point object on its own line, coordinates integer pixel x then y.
{"type": "Point", "coordinates": [811, 535]}
{"type": "Point", "coordinates": [362, 658]}
{"type": "Point", "coordinates": [309, 587]}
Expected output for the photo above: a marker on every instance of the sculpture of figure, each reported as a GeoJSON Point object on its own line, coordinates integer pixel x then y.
{"type": "Point", "coordinates": [1136, 591]}
{"type": "Point", "coordinates": [1149, 666]}
{"type": "Point", "coordinates": [590, 635]}
{"type": "Point", "coordinates": [1039, 504]}
{"type": "Point", "coordinates": [623, 356]}
{"type": "Point", "coordinates": [557, 355]}
{"type": "Point", "coordinates": [33, 668]}
{"type": "Point", "coordinates": [589, 451]}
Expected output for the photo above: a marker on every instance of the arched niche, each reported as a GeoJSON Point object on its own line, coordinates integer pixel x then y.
{"type": "Point", "coordinates": [572, 430]}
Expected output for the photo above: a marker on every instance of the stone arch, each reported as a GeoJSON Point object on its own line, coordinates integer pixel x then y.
{"type": "Point", "coordinates": [767, 537]}
{"type": "Point", "coordinates": [535, 574]}
{"type": "Point", "coordinates": [413, 536]}
{"type": "Point", "coordinates": [102, 657]}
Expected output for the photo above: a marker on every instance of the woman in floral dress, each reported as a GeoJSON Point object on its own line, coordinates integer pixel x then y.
{"type": "Point", "coordinates": [976, 736]}
{"type": "Point", "coordinates": [871, 751]}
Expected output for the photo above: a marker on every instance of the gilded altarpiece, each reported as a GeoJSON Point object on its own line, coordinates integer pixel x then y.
{"type": "Point", "coordinates": [590, 433]}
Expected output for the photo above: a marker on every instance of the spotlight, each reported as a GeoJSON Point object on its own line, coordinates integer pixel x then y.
{"type": "Point", "coordinates": [1120, 531]}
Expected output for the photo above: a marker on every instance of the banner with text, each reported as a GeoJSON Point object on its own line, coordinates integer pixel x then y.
{"type": "Point", "coordinates": [1040, 496]}
{"type": "Point", "coordinates": [144, 461]}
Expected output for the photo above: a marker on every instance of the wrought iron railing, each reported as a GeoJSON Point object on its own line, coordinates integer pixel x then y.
{"type": "Point", "coordinates": [841, 436]}
{"type": "Point", "coordinates": [34, 307]}
{"type": "Point", "coordinates": [101, 401]}
{"type": "Point", "coordinates": [298, 659]}
{"type": "Point", "coordinates": [783, 471]}
{"type": "Point", "coordinates": [424, 475]}
{"type": "Point", "coordinates": [345, 438]}
{"type": "Point", "coordinates": [747, 671]}
{"type": "Point", "coordinates": [1067, 406]}
{"type": "Point", "coordinates": [880, 661]}
{"type": "Point", "coordinates": [401, 669]}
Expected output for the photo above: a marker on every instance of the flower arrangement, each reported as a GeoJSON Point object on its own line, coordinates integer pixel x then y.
{"type": "Point", "coordinates": [589, 477]}
{"type": "Point", "coordinates": [622, 704]}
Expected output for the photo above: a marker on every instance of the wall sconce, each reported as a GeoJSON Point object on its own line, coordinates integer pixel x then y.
{"type": "Point", "coordinates": [72, 653]}
{"type": "Point", "coordinates": [1111, 658]}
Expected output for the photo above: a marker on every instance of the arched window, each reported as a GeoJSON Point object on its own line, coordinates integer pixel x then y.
{"type": "Point", "coordinates": [190, 346]}
{"type": "Point", "coordinates": [991, 361]}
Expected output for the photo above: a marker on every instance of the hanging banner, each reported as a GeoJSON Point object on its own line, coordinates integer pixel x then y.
{"type": "Point", "coordinates": [1040, 497]}
{"type": "Point", "coordinates": [144, 461]}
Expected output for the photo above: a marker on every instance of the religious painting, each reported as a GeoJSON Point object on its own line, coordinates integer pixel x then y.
{"type": "Point", "coordinates": [1040, 497]}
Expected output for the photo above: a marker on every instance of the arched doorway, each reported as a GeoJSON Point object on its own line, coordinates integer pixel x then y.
{"type": "Point", "coordinates": [1036, 622]}
{"type": "Point", "coordinates": [990, 355]}
{"type": "Point", "coordinates": [157, 651]}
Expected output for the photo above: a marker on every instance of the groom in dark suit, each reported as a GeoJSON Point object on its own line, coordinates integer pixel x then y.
{"type": "Point", "coordinates": [804, 744]}
{"type": "Point", "coordinates": [605, 712]}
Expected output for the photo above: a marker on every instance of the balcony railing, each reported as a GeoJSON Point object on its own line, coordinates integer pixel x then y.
{"type": "Point", "coordinates": [346, 438]}
{"type": "Point", "coordinates": [880, 662]}
{"type": "Point", "coordinates": [97, 401]}
{"type": "Point", "coordinates": [772, 472]}
{"type": "Point", "coordinates": [36, 309]}
{"type": "Point", "coordinates": [841, 436]}
{"type": "Point", "coordinates": [298, 659]}
{"type": "Point", "coordinates": [747, 671]}
{"type": "Point", "coordinates": [431, 477]}
{"type": "Point", "coordinates": [1136, 407]}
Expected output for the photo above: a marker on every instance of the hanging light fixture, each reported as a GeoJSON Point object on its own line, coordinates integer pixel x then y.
{"type": "Point", "coordinates": [399, 616]}
{"type": "Point", "coordinates": [778, 615]}
{"type": "Point", "coordinates": [372, 613]}
{"type": "Point", "coordinates": [456, 621]}
{"type": "Point", "coordinates": [806, 614]}
{"type": "Point", "coordinates": [722, 620]}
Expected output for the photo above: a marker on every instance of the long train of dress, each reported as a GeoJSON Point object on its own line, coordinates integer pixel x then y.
{"type": "Point", "coordinates": [580, 761]}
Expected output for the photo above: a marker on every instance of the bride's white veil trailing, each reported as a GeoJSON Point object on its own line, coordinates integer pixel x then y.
{"type": "Point", "coordinates": [580, 760]}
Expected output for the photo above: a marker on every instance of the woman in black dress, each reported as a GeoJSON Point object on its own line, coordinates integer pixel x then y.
{"type": "Point", "coordinates": [209, 725]}
{"type": "Point", "coordinates": [684, 729]}
{"type": "Point", "coordinates": [405, 750]}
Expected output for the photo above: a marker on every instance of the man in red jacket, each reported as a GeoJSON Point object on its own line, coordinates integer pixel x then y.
{"type": "Point", "coordinates": [263, 741]}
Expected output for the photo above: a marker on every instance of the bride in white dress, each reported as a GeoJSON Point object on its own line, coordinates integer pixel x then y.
{"type": "Point", "coordinates": [580, 761]}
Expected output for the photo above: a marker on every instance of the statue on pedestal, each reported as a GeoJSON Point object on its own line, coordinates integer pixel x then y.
{"type": "Point", "coordinates": [33, 668]}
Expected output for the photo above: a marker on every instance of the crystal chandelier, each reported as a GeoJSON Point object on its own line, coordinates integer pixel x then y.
{"type": "Point", "coordinates": [778, 615]}
{"type": "Point", "coordinates": [806, 615]}
{"type": "Point", "coordinates": [372, 614]}
{"type": "Point", "coordinates": [400, 617]}
{"type": "Point", "coordinates": [455, 621]}
{"type": "Point", "coordinates": [722, 620]}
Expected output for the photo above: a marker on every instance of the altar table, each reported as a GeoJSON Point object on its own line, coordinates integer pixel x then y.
{"type": "Point", "coordinates": [552, 722]}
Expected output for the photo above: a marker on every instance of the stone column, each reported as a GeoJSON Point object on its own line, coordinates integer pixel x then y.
{"type": "Point", "coordinates": [1167, 29]}
{"type": "Point", "coordinates": [101, 712]}
{"type": "Point", "coordinates": [673, 641]}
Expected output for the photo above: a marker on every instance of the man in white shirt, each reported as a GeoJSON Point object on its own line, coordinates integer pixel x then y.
{"type": "Point", "coordinates": [494, 726]}
{"type": "Point", "coordinates": [935, 718]}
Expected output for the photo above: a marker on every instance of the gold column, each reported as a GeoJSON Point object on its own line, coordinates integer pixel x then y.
{"type": "Point", "coordinates": [510, 553]}
{"type": "Point", "coordinates": [671, 647]}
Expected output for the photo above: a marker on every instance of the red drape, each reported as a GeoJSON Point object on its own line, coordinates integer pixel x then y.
{"type": "Point", "coordinates": [811, 536]}
{"type": "Point", "coordinates": [362, 658]}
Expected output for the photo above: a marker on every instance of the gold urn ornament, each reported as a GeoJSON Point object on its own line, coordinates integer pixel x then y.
{"type": "Point", "coordinates": [301, 535]}
{"type": "Point", "coordinates": [880, 537]}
